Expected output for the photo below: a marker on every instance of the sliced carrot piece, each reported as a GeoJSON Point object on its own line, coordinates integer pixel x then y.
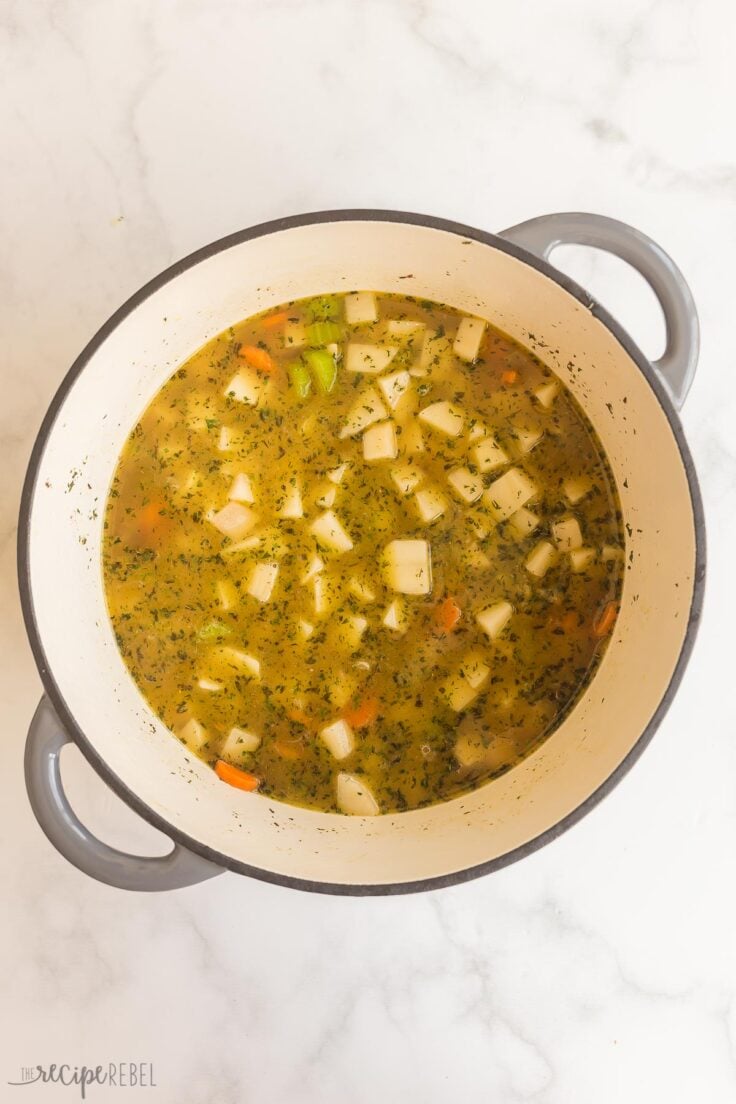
{"type": "Point", "coordinates": [257, 358]}
{"type": "Point", "coordinates": [152, 521]}
{"type": "Point", "coordinates": [275, 320]}
{"type": "Point", "coordinates": [362, 715]}
{"type": "Point", "coordinates": [288, 749]}
{"type": "Point", "coordinates": [603, 622]}
{"type": "Point", "coordinates": [234, 776]}
{"type": "Point", "coordinates": [509, 376]}
{"type": "Point", "coordinates": [448, 614]}
{"type": "Point", "coordinates": [300, 717]}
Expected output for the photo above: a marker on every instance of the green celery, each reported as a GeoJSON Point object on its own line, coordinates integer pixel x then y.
{"type": "Point", "coordinates": [323, 307]}
{"type": "Point", "coordinates": [324, 368]}
{"type": "Point", "coordinates": [323, 333]}
{"type": "Point", "coordinates": [301, 380]}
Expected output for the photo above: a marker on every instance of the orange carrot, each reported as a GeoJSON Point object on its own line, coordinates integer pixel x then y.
{"type": "Point", "coordinates": [363, 714]}
{"type": "Point", "coordinates": [509, 376]}
{"type": "Point", "coordinates": [152, 522]}
{"type": "Point", "coordinates": [234, 776]}
{"type": "Point", "coordinates": [603, 622]}
{"type": "Point", "coordinates": [448, 613]}
{"type": "Point", "coordinates": [288, 749]}
{"type": "Point", "coordinates": [275, 320]}
{"type": "Point", "coordinates": [257, 358]}
{"type": "Point", "coordinates": [300, 717]}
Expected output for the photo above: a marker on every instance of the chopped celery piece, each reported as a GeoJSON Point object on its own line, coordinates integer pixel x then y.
{"type": "Point", "coordinates": [300, 378]}
{"type": "Point", "coordinates": [323, 333]}
{"type": "Point", "coordinates": [214, 630]}
{"type": "Point", "coordinates": [323, 307]}
{"type": "Point", "coordinates": [324, 369]}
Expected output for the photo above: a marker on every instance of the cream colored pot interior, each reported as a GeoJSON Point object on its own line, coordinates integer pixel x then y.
{"type": "Point", "coordinates": [66, 524]}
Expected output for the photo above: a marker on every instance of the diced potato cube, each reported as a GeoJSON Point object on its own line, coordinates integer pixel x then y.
{"type": "Point", "coordinates": [394, 386]}
{"type": "Point", "coordinates": [509, 493]}
{"type": "Point", "coordinates": [526, 435]}
{"type": "Point", "coordinates": [462, 688]}
{"type": "Point", "coordinates": [479, 528]}
{"type": "Point", "coordinates": [233, 520]}
{"type": "Point", "coordinates": [477, 558]}
{"type": "Point", "coordinates": [567, 535]}
{"type": "Point", "coordinates": [289, 504]}
{"type": "Point", "coordinates": [336, 475]}
{"type": "Point", "coordinates": [326, 495]}
{"type": "Point", "coordinates": [477, 431]}
{"type": "Point", "coordinates": [240, 661]}
{"type": "Point", "coordinates": [367, 409]}
{"type": "Point", "coordinates": [406, 477]}
{"type": "Point", "coordinates": [314, 567]}
{"type": "Point", "coordinates": [194, 734]}
{"type": "Point", "coordinates": [306, 628]}
{"type": "Point", "coordinates": [469, 487]}
{"type": "Point", "coordinates": [524, 522]}
{"type": "Point", "coordinates": [324, 595]}
{"type": "Point", "coordinates": [403, 326]}
{"type": "Point", "coordinates": [409, 566]}
{"type": "Point", "coordinates": [245, 387]}
{"type": "Point", "coordinates": [468, 338]}
{"type": "Point", "coordinates": [581, 558]}
{"type": "Point", "coordinates": [360, 589]}
{"type": "Point", "coordinates": [412, 439]}
{"type": "Point", "coordinates": [294, 335]}
{"type": "Point", "coordinates": [369, 359]}
{"type": "Point", "coordinates": [239, 743]}
{"type": "Point", "coordinates": [576, 489]}
{"type": "Point", "coordinates": [431, 504]}
{"type": "Point", "coordinates": [540, 559]}
{"type": "Point", "coordinates": [360, 308]}
{"type": "Point", "coordinates": [209, 684]}
{"type": "Point", "coordinates": [494, 619]}
{"type": "Point", "coordinates": [395, 617]}
{"type": "Point", "coordinates": [546, 393]}
{"type": "Point", "coordinates": [488, 455]}
{"type": "Point", "coordinates": [354, 796]}
{"type": "Point", "coordinates": [241, 490]}
{"type": "Point", "coordinates": [329, 533]}
{"type": "Point", "coordinates": [379, 442]}
{"type": "Point", "coordinates": [225, 440]}
{"type": "Point", "coordinates": [352, 631]}
{"type": "Point", "coordinates": [227, 595]}
{"type": "Point", "coordinates": [338, 738]}
{"type": "Point", "coordinates": [474, 669]}
{"type": "Point", "coordinates": [341, 689]}
{"type": "Point", "coordinates": [262, 581]}
{"type": "Point", "coordinates": [444, 417]}
{"type": "Point", "coordinates": [611, 552]}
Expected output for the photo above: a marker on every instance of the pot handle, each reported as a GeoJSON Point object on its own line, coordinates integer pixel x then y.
{"type": "Point", "coordinates": [676, 367]}
{"type": "Point", "coordinates": [46, 738]}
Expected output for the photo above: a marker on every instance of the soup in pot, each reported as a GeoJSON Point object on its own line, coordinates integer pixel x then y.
{"type": "Point", "coordinates": [362, 553]}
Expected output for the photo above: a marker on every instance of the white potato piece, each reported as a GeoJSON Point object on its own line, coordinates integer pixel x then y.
{"type": "Point", "coordinates": [524, 522]}
{"type": "Point", "coordinates": [227, 595]}
{"type": "Point", "coordinates": [361, 590]}
{"type": "Point", "coordinates": [444, 417]}
{"type": "Point", "coordinates": [488, 455]}
{"type": "Point", "coordinates": [467, 486]}
{"type": "Point", "coordinates": [354, 796]}
{"type": "Point", "coordinates": [369, 359]}
{"type": "Point", "coordinates": [379, 442]}
{"type": "Point", "coordinates": [540, 559]}
{"type": "Point", "coordinates": [407, 478]}
{"type": "Point", "coordinates": [431, 504]}
{"type": "Point", "coordinates": [240, 661]}
{"type": "Point", "coordinates": [476, 430]}
{"type": "Point", "coordinates": [246, 387]}
{"type": "Point", "coordinates": [403, 327]}
{"type": "Point", "coordinates": [581, 558]}
{"type": "Point", "coordinates": [194, 734]}
{"type": "Point", "coordinates": [368, 408]}
{"type": "Point", "coordinates": [234, 520]}
{"type": "Point", "coordinates": [341, 689]}
{"type": "Point", "coordinates": [575, 489]}
{"type": "Point", "coordinates": [494, 619]}
{"type": "Point", "coordinates": [546, 393]}
{"type": "Point", "coordinates": [526, 435]}
{"type": "Point", "coordinates": [324, 594]}
{"type": "Point", "coordinates": [611, 552]}
{"type": "Point", "coordinates": [290, 505]}
{"type": "Point", "coordinates": [477, 558]}
{"type": "Point", "coordinates": [262, 581]}
{"type": "Point", "coordinates": [329, 533]}
{"type": "Point", "coordinates": [241, 489]}
{"type": "Point", "coordinates": [468, 338]}
{"type": "Point", "coordinates": [336, 475]}
{"type": "Point", "coordinates": [306, 628]}
{"type": "Point", "coordinates": [295, 335]}
{"type": "Point", "coordinates": [326, 495]}
{"type": "Point", "coordinates": [314, 567]}
{"type": "Point", "coordinates": [360, 308]}
{"type": "Point", "coordinates": [209, 684]}
{"type": "Point", "coordinates": [225, 440]}
{"type": "Point", "coordinates": [238, 743]}
{"type": "Point", "coordinates": [509, 493]}
{"type": "Point", "coordinates": [352, 632]}
{"type": "Point", "coordinates": [462, 688]}
{"type": "Point", "coordinates": [567, 535]}
{"type": "Point", "coordinates": [412, 439]}
{"type": "Point", "coordinates": [395, 616]}
{"type": "Point", "coordinates": [394, 386]}
{"type": "Point", "coordinates": [338, 737]}
{"type": "Point", "coordinates": [409, 566]}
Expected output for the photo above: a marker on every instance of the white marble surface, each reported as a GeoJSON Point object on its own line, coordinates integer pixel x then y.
{"type": "Point", "coordinates": [601, 969]}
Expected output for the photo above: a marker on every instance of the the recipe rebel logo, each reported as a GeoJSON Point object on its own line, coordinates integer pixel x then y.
{"type": "Point", "coordinates": [116, 1075]}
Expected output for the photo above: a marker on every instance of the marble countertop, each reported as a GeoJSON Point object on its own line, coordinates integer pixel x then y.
{"type": "Point", "coordinates": [601, 969]}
